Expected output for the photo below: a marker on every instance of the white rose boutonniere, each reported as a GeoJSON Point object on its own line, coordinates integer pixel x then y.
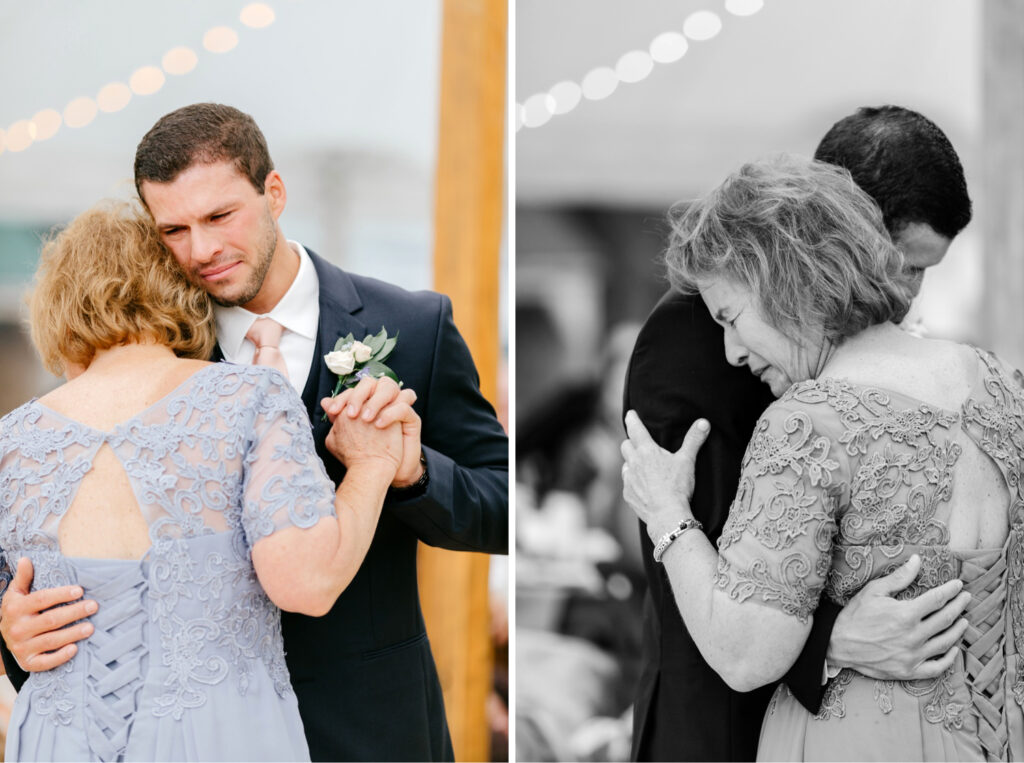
{"type": "Point", "coordinates": [361, 352]}
{"type": "Point", "coordinates": [340, 362]}
{"type": "Point", "coordinates": [353, 360]}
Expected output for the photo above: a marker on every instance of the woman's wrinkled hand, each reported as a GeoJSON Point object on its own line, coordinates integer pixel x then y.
{"type": "Point", "coordinates": [357, 442]}
{"type": "Point", "coordinates": [383, 402]}
{"type": "Point", "coordinates": [658, 484]}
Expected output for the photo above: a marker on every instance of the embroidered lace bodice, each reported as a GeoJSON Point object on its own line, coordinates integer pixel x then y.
{"type": "Point", "coordinates": [224, 460]}
{"type": "Point", "coordinates": [841, 483]}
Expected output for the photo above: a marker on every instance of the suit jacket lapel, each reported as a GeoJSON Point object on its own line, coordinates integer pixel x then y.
{"type": "Point", "coordinates": [339, 300]}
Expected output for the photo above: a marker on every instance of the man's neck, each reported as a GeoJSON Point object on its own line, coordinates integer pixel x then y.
{"type": "Point", "coordinates": [284, 266]}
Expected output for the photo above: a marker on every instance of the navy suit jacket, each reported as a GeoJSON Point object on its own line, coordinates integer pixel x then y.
{"type": "Point", "coordinates": [363, 673]}
{"type": "Point", "coordinates": [677, 374]}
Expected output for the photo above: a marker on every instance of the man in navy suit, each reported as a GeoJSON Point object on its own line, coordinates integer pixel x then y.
{"type": "Point", "coordinates": [363, 673]}
{"type": "Point", "coordinates": [678, 373]}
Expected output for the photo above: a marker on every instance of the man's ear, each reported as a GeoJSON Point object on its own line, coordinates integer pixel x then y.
{"type": "Point", "coordinates": [277, 197]}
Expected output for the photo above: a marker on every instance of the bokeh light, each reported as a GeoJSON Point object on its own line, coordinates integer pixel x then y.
{"type": "Point", "coordinates": [537, 109]}
{"type": "Point", "coordinates": [220, 39]}
{"type": "Point", "coordinates": [743, 7]}
{"type": "Point", "coordinates": [80, 112]}
{"type": "Point", "coordinates": [600, 83]}
{"type": "Point", "coordinates": [46, 123]}
{"type": "Point", "coordinates": [669, 47]}
{"type": "Point", "coordinates": [257, 15]}
{"type": "Point", "coordinates": [146, 80]}
{"type": "Point", "coordinates": [567, 96]}
{"type": "Point", "coordinates": [702, 25]}
{"type": "Point", "coordinates": [19, 136]}
{"type": "Point", "coordinates": [634, 66]}
{"type": "Point", "coordinates": [113, 97]}
{"type": "Point", "coordinates": [179, 60]}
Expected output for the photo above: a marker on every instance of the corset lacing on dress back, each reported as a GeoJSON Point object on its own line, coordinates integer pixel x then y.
{"type": "Point", "coordinates": [116, 653]}
{"type": "Point", "coordinates": [984, 575]}
{"type": "Point", "coordinates": [186, 661]}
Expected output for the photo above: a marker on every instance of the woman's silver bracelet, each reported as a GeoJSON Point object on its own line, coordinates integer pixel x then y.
{"type": "Point", "coordinates": [668, 538]}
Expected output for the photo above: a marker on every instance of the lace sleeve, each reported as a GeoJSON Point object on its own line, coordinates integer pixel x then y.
{"type": "Point", "coordinates": [775, 548]}
{"type": "Point", "coordinates": [285, 482]}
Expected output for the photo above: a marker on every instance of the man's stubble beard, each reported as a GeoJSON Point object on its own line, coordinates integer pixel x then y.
{"type": "Point", "coordinates": [265, 255]}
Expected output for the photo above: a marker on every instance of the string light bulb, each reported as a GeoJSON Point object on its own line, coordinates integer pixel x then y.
{"type": "Point", "coordinates": [633, 66]}
{"type": "Point", "coordinates": [145, 80]}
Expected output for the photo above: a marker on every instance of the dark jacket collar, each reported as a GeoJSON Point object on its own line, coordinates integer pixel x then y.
{"type": "Point", "coordinates": [339, 305]}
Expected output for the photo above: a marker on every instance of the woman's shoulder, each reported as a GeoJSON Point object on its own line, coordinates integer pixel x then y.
{"type": "Point", "coordinates": [230, 377]}
{"type": "Point", "coordinates": [261, 389]}
{"type": "Point", "coordinates": [14, 421]}
{"type": "Point", "coordinates": [994, 366]}
{"type": "Point", "coordinates": [825, 399]}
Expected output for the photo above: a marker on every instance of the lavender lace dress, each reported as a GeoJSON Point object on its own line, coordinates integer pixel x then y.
{"type": "Point", "coordinates": [186, 662]}
{"type": "Point", "coordinates": [840, 485]}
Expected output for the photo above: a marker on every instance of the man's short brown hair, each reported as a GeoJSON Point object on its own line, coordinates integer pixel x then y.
{"type": "Point", "coordinates": [202, 133]}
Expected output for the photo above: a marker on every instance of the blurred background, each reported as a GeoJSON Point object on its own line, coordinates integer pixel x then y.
{"type": "Point", "coordinates": [624, 109]}
{"type": "Point", "coordinates": [388, 127]}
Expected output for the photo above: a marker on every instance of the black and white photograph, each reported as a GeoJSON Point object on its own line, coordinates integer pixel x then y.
{"type": "Point", "coordinates": [769, 422]}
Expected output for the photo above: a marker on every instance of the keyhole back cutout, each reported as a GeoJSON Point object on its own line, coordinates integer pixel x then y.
{"type": "Point", "coordinates": [104, 520]}
{"type": "Point", "coordinates": [979, 515]}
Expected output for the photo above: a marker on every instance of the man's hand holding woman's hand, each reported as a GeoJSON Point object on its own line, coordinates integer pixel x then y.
{"type": "Point", "coordinates": [375, 420]}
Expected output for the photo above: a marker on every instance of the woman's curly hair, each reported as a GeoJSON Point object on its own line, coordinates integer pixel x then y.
{"type": "Point", "coordinates": [105, 280]}
{"type": "Point", "coordinates": [803, 237]}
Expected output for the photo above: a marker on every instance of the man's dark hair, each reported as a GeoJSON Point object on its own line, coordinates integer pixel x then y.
{"type": "Point", "coordinates": [202, 133]}
{"type": "Point", "coordinates": [905, 163]}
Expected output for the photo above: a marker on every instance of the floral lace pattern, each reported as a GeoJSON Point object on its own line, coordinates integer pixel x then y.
{"type": "Point", "coordinates": [842, 483]}
{"type": "Point", "coordinates": [224, 460]}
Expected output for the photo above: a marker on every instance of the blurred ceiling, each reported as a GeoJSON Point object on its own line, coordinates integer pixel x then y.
{"type": "Point", "coordinates": [769, 82]}
{"type": "Point", "coordinates": [355, 82]}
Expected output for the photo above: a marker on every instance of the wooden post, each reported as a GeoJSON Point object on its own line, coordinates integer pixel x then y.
{"type": "Point", "coordinates": [467, 224]}
{"type": "Point", "coordinates": [998, 206]}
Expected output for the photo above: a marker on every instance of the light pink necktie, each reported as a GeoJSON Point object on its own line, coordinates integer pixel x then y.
{"type": "Point", "coordinates": [265, 333]}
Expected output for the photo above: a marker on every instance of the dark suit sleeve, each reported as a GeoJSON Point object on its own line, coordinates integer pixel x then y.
{"type": "Point", "coordinates": [14, 673]}
{"type": "Point", "coordinates": [17, 675]}
{"type": "Point", "coordinates": [465, 506]}
{"type": "Point", "coordinates": [804, 677]}
{"type": "Point", "coordinates": [677, 374]}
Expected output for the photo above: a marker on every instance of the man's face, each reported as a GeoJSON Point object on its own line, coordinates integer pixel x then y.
{"type": "Point", "coordinates": [221, 231]}
{"type": "Point", "coordinates": [922, 248]}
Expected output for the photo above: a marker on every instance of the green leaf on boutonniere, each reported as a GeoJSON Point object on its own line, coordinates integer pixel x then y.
{"type": "Point", "coordinates": [376, 342]}
{"type": "Point", "coordinates": [376, 369]}
{"type": "Point", "coordinates": [387, 348]}
{"type": "Point", "coordinates": [343, 341]}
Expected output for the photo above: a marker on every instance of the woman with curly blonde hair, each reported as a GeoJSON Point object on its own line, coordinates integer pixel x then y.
{"type": "Point", "coordinates": [182, 501]}
{"type": "Point", "coordinates": [880, 447]}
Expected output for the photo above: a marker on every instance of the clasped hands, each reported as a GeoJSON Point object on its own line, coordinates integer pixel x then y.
{"type": "Point", "coordinates": [372, 424]}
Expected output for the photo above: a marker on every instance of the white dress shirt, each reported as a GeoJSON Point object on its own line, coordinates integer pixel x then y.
{"type": "Point", "coordinates": [299, 313]}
